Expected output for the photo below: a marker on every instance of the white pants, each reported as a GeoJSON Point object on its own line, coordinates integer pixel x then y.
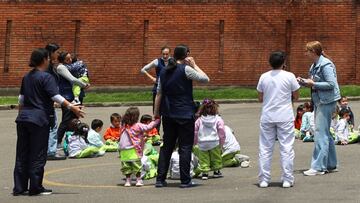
{"type": "Point", "coordinates": [284, 131]}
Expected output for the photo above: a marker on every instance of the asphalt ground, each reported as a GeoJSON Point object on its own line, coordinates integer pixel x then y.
{"type": "Point", "coordinates": [100, 179]}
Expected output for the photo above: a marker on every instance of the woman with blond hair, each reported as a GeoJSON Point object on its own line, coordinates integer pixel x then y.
{"type": "Point", "coordinates": [324, 94]}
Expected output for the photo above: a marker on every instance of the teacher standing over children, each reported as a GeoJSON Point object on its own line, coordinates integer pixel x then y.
{"type": "Point", "coordinates": [324, 94]}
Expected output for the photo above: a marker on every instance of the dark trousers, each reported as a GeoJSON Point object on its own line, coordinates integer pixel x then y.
{"type": "Point", "coordinates": [181, 130]}
{"type": "Point", "coordinates": [31, 153]}
{"type": "Point", "coordinates": [67, 116]}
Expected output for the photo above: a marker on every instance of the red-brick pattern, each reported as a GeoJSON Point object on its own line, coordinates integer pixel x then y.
{"type": "Point", "coordinates": [111, 35]}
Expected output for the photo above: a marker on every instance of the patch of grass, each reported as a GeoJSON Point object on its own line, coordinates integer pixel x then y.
{"type": "Point", "coordinates": [8, 100]}
{"type": "Point", "coordinates": [199, 94]}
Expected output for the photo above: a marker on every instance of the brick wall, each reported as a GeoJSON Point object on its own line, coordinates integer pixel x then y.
{"type": "Point", "coordinates": [229, 39]}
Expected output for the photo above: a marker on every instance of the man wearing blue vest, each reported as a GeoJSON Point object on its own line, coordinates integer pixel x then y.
{"type": "Point", "coordinates": [174, 102]}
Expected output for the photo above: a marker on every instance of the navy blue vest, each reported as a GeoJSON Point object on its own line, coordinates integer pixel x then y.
{"type": "Point", "coordinates": [177, 94]}
{"type": "Point", "coordinates": [161, 65]}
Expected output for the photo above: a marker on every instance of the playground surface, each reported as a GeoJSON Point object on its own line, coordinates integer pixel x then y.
{"type": "Point", "coordinates": [100, 179]}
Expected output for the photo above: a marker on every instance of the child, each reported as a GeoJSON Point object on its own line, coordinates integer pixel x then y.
{"type": "Point", "coordinates": [131, 144]}
{"type": "Point", "coordinates": [152, 135]}
{"type": "Point", "coordinates": [298, 120]}
{"type": "Point", "coordinates": [210, 137]}
{"type": "Point", "coordinates": [344, 104]}
{"type": "Point", "coordinates": [174, 169]}
{"type": "Point", "coordinates": [342, 132]}
{"type": "Point", "coordinates": [307, 129]}
{"type": "Point", "coordinates": [77, 142]}
{"type": "Point", "coordinates": [112, 134]}
{"type": "Point", "coordinates": [231, 156]}
{"type": "Point", "coordinates": [78, 69]}
{"type": "Point", "coordinates": [94, 137]}
{"type": "Point", "coordinates": [149, 162]}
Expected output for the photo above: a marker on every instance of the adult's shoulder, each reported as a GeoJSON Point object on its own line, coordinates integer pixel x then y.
{"type": "Point", "coordinates": [325, 61]}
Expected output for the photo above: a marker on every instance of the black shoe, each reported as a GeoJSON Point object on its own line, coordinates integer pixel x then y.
{"type": "Point", "coordinates": [156, 143]}
{"type": "Point", "coordinates": [190, 184]}
{"type": "Point", "coordinates": [204, 176]}
{"type": "Point", "coordinates": [56, 157]}
{"type": "Point", "coordinates": [41, 192]}
{"type": "Point", "coordinates": [26, 192]}
{"type": "Point", "coordinates": [217, 174]}
{"type": "Point", "coordinates": [160, 184]}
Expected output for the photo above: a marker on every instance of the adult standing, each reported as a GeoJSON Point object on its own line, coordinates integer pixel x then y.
{"type": "Point", "coordinates": [324, 94]}
{"type": "Point", "coordinates": [66, 81]}
{"type": "Point", "coordinates": [174, 102]}
{"type": "Point", "coordinates": [38, 93]}
{"type": "Point", "coordinates": [158, 64]}
{"type": "Point", "coordinates": [277, 89]}
{"type": "Point", "coordinates": [52, 154]}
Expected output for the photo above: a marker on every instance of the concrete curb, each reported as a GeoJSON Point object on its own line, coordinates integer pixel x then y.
{"type": "Point", "coordinates": [149, 103]}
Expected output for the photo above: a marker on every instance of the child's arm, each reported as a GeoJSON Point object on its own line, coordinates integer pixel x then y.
{"type": "Point", "coordinates": [107, 134]}
{"type": "Point", "coordinates": [221, 131]}
{"type": "Point", "coordinates": [151, 125]}
{"type": "Point", "coordinates": [196, 131]}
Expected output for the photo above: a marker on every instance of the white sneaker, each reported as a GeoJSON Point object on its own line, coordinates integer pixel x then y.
{"type": "Point", "coordinates": [263, 184]}
{"type": "Point", "coordinates": [128, 182]}
{"type": "Point", "coordinates": [139, 183]}
{"type": "Point", "coordinates": [76, 102]}
{"type": "Point", "coordinates": [287, 184]}
{"type": "Point", "coordinates": [245, 164]}
{"type": "Point", "coordinates": [101, 153]}
{"type": "Point", "coordinates": [313, 172]}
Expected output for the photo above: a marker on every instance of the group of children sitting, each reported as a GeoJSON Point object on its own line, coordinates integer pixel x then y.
{"type": "Point", "coordinates": [215, 145]}
{"type": "Point", "coordinates": [342, 123]}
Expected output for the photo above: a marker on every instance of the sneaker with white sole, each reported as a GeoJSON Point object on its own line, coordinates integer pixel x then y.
{"type": "Point", "coordinates": [127, 182]}
{"type": "Point", "coordinates": [313, 172]}
{"type": "Point", "coordinates": [205, 176]}
{"type": "Point", "coordinates": [287, 184]}
{"type": "Point", "coordinates": [139, 183]}
{"type": "Point", "coordinates": [263, 184]}
{"type": "Point", "coordinates": [334, 170]}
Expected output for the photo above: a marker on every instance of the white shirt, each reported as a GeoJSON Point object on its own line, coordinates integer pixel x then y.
{"type": "Point", "coordinates": [231, 145]}
{"type": "Point", "coordinates": [277, 87]}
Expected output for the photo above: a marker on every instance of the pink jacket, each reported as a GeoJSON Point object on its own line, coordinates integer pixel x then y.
{"type": "Point", "coordinates": [136, 135]}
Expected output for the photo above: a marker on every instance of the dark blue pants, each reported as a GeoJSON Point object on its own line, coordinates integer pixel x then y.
{"type": "Point", "coordinates": [179, 131]}
{"type": "Point", "coordinates": [31, 153]}
{"type": "Point", "coordinates": [67, 116]}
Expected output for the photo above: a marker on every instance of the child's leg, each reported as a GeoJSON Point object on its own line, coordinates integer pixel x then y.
{"type": "Point", "coordinates": [353, 138]}
{"type": "Point", "coordinates": [229, 160]}
{"type": "Point", "coordinates": [88, 152]}
{"type": "Point", "coordinates": [77, 89]}
{"type": "Point", "coordinates": [109, 148]}
{"type": "Point", "coordinates": [215, 158]}
{"type": "Point", "coordinates": [204, 161]}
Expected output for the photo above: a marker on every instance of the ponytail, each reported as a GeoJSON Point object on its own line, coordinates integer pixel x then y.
{"type": "Point", "coordinates": [171, 64]}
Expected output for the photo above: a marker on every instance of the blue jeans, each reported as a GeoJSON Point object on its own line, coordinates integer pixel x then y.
{"type": "Point", "coordinates": [52, 145]}
{"type": "Point", "coordinates": [324, 155]}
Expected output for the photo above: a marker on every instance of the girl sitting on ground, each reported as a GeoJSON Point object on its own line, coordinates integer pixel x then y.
{"type": "Point", "coordinates": [210, 137]}
{"type": "Point", "coordinates": [77, 143]}
{"type": "Point", "coordinates": [231, 156]}
{"type": "Point", "coordinates": [308, 123]}
{"type": "Point", "coordinates": [131, 144]}
{"type": "Point", "coordinates": [342, 132]}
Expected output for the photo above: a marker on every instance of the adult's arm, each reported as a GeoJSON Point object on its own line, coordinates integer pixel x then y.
{"type": "Point", "coordinates": [157, 103]}
{"type": "Point", "coordinates": [260, 96]}
{"type": "Point", "coordinates": [75, 109]}
{"type": "Point", "coordinates": [295, 95]}
{"type": "Point", "coordinates": [64, 72]}
{"type": "Point", "coordinates": [196, 74]}
{"type": "Point", "coordinates": [329, 73]}
{"type": "Point", "coordinates": [147, 67]}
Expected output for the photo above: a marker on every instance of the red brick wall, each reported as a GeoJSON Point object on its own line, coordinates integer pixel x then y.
{"type": "Point", "coordinates": [111, 36]}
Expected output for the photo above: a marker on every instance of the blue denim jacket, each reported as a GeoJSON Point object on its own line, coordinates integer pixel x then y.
{"type": "Point", "coordinates": [326, 88]}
